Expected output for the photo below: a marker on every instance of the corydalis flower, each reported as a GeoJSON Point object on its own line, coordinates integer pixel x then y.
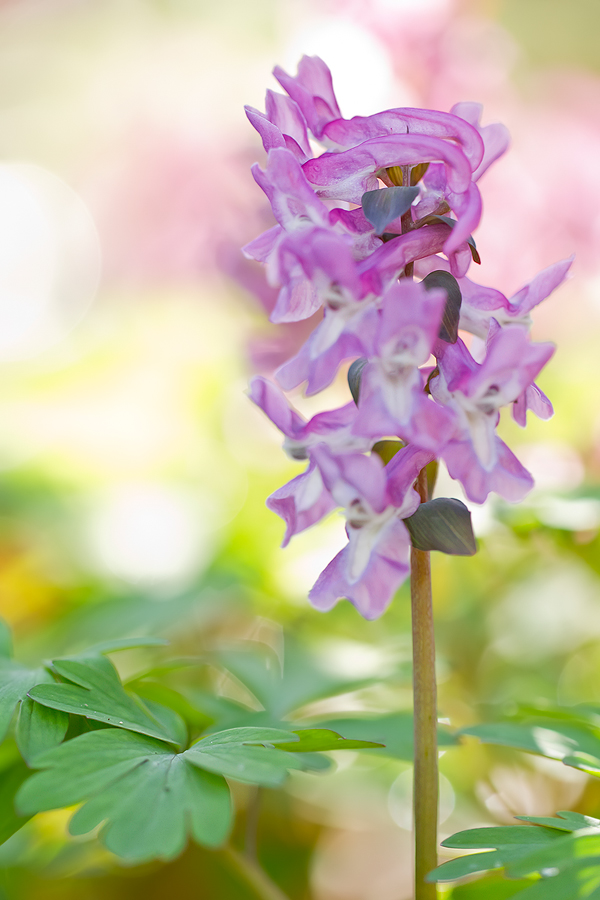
{"type": "Point", "coordinates": [305, 499]}
{"type": "Point", "coordinates": [476, 393]}
{"type": "Point", "coordinates": [375, 499]}
{"type": "Point", "coordinates": [392, 399]}
{"type": "Point", "coordinates": [417, 380]}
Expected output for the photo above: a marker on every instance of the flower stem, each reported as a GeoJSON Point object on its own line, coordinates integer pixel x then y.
{"type": "Point", "coordinates": [425, 785]}
{"type": "Point", "coordinates": [254, 876]}
{"type": "Point", "coordinates": [252, 814]}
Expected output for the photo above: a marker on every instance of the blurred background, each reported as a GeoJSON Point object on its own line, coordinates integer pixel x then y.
{"type": "Point", "coordinates": [133, 469]}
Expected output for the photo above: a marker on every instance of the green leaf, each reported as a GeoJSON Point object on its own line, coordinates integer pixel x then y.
{"type": "Point", "coordinates": [149, 798]}
{"type": "Point", "coordinates": [12, 777]}
{"type": "Point", "coordinates": [586, 762]}
{"type": "Point", "coordinates": [121, 644]}
{"type": "Point", "coordinates": [394, 731]}
{"type": "Point", "coordinates": [97, 693]}
{"type": "Point", "coordinates": [303, 678]}
{"type": "Point", "coordinates": [503, 847]}
{"type": "Point", "coordinates": [386, 204]}
{"type": "Point", "coordinates": [491, 887]}
{"type": "Point", "coordinates": [569, 849]}
{"type": "Point", "coordinates": [563, 821]}
{"type": "Point", "coordinates": [154, 691]}
{"type": "Point", "coordinates": [39, 728]}
{"type": "Point", "coordinates": [566, 859]}
{"type": "Point", "coordinates": [233, 753]}
{"type": "Point", "coordinates": [323, 739]}
{"type": "Point", "coordinates": [551, 738]}
{"type": "Point", "coordinates": [15, 682]}
{"type": "Point", "coordinates": [443, 524]}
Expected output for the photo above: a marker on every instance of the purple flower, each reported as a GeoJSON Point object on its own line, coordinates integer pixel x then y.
{"type": "Point", "coordinates": [383, 266]}
{"type": "Point", "coordinates": [392, 399]}
{"type": "Point", "coordinates": [301, 502]}
{"type": "Point", "coordinates": [293, 201]}
{"type": "Point", "coordinates": [304, 500]}
{"type": "Point", "coordinates": [312, 90]}
{"type": "Point", "coordinates": [481, 304]}
{"type": "Point", "coordinates": [475, 392]}
{"type": "Point", "coordinates": [348, 174]}
{"type": "Point", "coordinates": [346, 332]}
{"type": "Point", "coordinates": [324, 253]}
{"type": "Point", "coordinates": [318, 259]}
{"type": "Point", "coordinates": [404, 120]}
{"type": "Point", "coordinates": [333, 428]}
{"type": "Point", "coordinates": [283, 125]}
{"type": "Point", "coordinates": [375, 499]}
{"type": "Point", "coordinates": [495, 137]}
{"type": "Point", "coordinates": [534, 399]}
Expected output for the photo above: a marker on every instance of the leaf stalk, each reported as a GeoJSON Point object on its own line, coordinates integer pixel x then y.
{"type": "Point", "coordinates": [255, 877]}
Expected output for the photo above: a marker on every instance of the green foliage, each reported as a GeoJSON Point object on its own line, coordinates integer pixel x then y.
{"type": "Point", "coordinates": [563, 852]}
{"type": "Point", "coordinates": [96, 692]}
{"type": "Point", "coordinates": [393, 731]}
{"type": "Point", "coordinates": [136, 774]}
{"type": "Point", "coordinates": [552, 737]}
{"type": "Point", "coordinates": [39, 728]}
{"type": "Point", "coordinates": [35, 731]}
{"type": "Point", "coordinates": [151, 798]}
{"type": "Point", "coordinates": [13, 772]}
{"type": "Point", "coordinates": [148, 797]}
{"type": "Point", "coordinates": [284, 689]}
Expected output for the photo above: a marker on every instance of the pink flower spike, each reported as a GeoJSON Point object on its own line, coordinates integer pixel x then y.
{"type": "Point", "coordinates": [312, 90]}
{"type": "Point", "coordinates": [315, 267]}
{"type": "Point", "coordinates": [270, 134]}
{"type": "Point", "coordinates": [476, 392]}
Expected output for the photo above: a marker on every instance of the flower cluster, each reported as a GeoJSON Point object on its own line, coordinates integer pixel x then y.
{"type": "Point", "coordinates": [376, 232]}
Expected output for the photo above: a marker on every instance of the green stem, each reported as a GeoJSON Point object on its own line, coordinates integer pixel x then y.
{"type": "Point", "coordinates": [252, 814]}
{"type": "Point", "coordinates": [425, 785]}
{"type": "Point", "coordinates": [255, 877]}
